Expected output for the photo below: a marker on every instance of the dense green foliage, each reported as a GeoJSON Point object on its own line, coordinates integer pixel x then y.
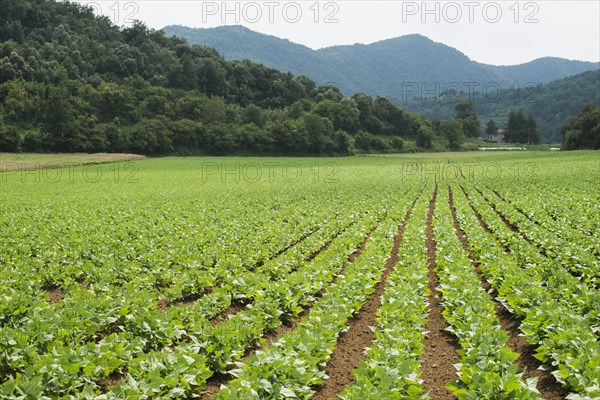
{"type": "Point", "coordinates": [466, 114]}
{"type": "Point", "coordinates": [583, 131]}
{"type": "Point", "coordinates": [521, 129]}
{"type": "Point", "coordinates": [70, 81]}
{"type": "Point", "coordinates": [551, 105]}
{"type": "Point", "coordinates": [399, 68]}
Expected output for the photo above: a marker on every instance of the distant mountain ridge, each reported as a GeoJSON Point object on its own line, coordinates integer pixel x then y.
{"type": "Point", "coordinates": [399, 68]}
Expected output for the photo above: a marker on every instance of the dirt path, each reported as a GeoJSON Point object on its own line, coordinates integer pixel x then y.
{"type": "Point", "coordinates": [439, 353]}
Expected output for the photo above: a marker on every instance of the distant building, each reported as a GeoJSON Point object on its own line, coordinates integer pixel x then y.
{"type": "Point", "coordinates": [496, 137]}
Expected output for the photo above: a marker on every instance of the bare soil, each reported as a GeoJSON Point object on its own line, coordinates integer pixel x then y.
{"type": "Point", "coordinates": [351, 345]}
{"type": "Point", "coordinates": [439, 353]}
{"type": "Point", "coordinates": [55, 295]}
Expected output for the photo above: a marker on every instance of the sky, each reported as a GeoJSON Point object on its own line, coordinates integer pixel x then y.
{"type": "Point", "coordinates": [490, 32]}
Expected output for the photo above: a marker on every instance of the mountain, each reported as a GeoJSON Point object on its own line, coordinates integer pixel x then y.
{"type": "Point", "coordinates": [399, 68]}
{"type": "Point", "coordinates": [552, 104]}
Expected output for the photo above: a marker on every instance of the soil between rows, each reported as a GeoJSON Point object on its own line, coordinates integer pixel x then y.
{"type": "Point", "coordinates": [214, 384]}
{"type": "Point", "coordinates": [439, 352]}
{"type": "Point", "coordinates": [351, 345]}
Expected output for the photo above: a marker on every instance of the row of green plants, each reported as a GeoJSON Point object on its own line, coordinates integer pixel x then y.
{"type": "Point", "coordinates": [148, 336]}
{"type": "Point", "coordinates": [32, 325]}
{"type": "Point", "coordinates": [565, 287]}
{"type": "Point", "coordinates": [487, 368]}
{"type": "Point", "coordinates": [545, 215]}
{"type": "Point", "coordinates": [393, 367]}
{"type": "Point", "coordinates": [568, 253]}
{"type": "Point", "coordinates": [293, 365]}
{"type": "Point", "coordinates": [558, 314]}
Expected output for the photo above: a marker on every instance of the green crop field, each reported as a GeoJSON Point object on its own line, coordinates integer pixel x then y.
{"type": "Point", "coordinates": [473, 275]}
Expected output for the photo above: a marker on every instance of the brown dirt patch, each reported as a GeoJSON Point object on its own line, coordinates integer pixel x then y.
{"type": "Point", "coordinates": [439, 353]}
{"type": "Point", "coordinates": [112, 380]}
{"type": "Point", "coordinates": [162, 305]}
{"type": "Point", "coordinates": [233, 309]}
{"type": "Point", "coordinates": [55, 295]}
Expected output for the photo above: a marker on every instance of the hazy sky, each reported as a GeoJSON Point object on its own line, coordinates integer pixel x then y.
{"type": "Point", "coordinates": [491, 32]}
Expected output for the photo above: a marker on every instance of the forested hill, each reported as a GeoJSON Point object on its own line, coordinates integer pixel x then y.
{"type": "Point", "coordinates": [399, 68]}
{"type": "Point", "coordinates": [70, 81]}
{"type": "Point", "coordinates": [552, 104]}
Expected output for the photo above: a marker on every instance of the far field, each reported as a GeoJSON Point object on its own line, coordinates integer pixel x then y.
{"type": "Point", "coordinates": [10, 162]}
{"type": "Point", "coordinates": [377, 277]}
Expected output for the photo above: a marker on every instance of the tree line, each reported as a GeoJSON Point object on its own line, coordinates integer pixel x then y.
{"type": "Point", "coordinates": [583, 130]}
{"type": "Point", "coordinates": [71, 81]}
{"type": "Point", "coordinates": [74, 82]}
{"type": "Point", "coordinates": [551, 105]}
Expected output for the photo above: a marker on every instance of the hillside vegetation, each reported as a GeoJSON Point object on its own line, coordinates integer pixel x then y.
{"type": "Point", "coordinates": [552, 105]}
{"type": "Point", "coordinates": [400, 68]}
{"type": "Point", "coordinates": [71, 81]}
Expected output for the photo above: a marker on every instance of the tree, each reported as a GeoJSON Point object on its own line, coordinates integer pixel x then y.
{"type": "Point", "coordinates": [73, 81]}
{"type": "Point", "coordinates": [465, 113]}
{"type": "Point", "coordinates": [254, 114]}
{"type": "Point", "coordinates": [343, 114]}
{"type": "Point", "coordinates": [533, 134]}
{"type": "Point", "coordinates": [583, 131]}
{"type": "Point", "coordinates": [452, 131]}
{"type": "Point", "coordinates": [391, 116]}
{"type": "Point", "coordinates": [491, 128]}
{"type": "Point", "coordinates": [464, 109]}
{"type": "Point", "coordinates": [521, 129]}
{"type": "Point", "coordinates": [10, 141]}
{"type": "Point", "coordinates": [425, 137]}
{"type": "Point", "coordinates": [368, 121]}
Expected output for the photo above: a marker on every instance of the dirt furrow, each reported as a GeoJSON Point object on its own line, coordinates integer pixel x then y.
{"type": "Point", "coordinates": [439, 353]}
{"type": "Point", "coordinates": [509, 224]}
{"type": "Point", "coordinates": [351, 345]}
{"type": "Point", "coordinates": [55, 294]}
{"type": "Point", "coordinates": [286, 248]}
{"type": "Point", "coordinates": [213, 384]}
{"type": "Point", "coordinates": [326, 245]}
{"type": "Point", "coordinates": [548, 387]}
{"type": "Point", "coordinates": [477, 214]}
